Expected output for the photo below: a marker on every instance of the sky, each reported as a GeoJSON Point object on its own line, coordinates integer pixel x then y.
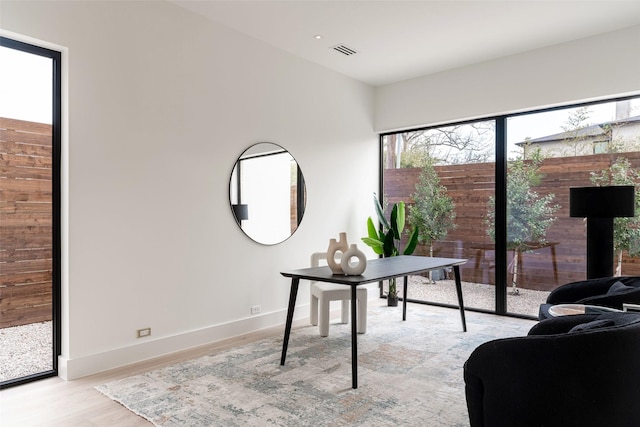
{"type": "Point", "coordinates": [26, 89]}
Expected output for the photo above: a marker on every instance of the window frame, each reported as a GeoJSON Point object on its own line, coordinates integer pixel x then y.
{"type": "Point", "coordinates": [56, 57]}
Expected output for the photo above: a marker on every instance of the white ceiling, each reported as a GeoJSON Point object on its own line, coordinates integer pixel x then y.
{"type": "Point", "coordinates": [398, 40]}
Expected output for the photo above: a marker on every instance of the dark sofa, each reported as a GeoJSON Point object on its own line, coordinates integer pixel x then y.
{"type": "Point", "coordinates": [607, 292]}
{"type": "Point", "coordinates": [581, 370]}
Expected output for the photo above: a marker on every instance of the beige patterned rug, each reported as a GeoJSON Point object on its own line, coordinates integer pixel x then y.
{"type": "Point", "coordinates": [410, 374]}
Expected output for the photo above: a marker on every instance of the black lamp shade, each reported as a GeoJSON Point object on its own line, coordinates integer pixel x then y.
{"type": "Point", "coordinates": [600, 205]}
{"type": "Point", "coordinates": [241, 212]}
{"type": "Point", "coordinates": [602, 202]}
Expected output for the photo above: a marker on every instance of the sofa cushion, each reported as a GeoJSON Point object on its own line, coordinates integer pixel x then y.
{"type": "Point", "coordinates": [595, 324]}
{"type": "Point", "coordinates": [620, 288]}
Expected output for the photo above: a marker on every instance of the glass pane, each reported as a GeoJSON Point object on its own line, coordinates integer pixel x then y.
{"type": "Point", "coordinates": [25, 214]}
{"type": "Point", "coordinates": [270, 219]}
{"type": "Point", "coordinates": [549, 153]}
{"type": "Point", "coordinates": [446, 177]}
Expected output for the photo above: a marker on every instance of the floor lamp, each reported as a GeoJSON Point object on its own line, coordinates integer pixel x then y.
{"type": "Point", "coordinates": [600, 205]}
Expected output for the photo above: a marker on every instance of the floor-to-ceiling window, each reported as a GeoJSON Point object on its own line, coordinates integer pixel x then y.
{"type": "Point", "coordinates": [446, 176]}
{"type": "Point", "coordinates": [29, 211]}
{"type": "Point", "coordinates": [550, 152]}
{"type": "Point", "coordinates": [496, 192]}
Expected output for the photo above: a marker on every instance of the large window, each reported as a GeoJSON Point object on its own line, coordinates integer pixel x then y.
{"type": "Point", "coordinates": [29, 212]}
{"type": "Point", "coordinates": [446, 175]}
{"type": "Point", "coordinates": [588, 145]}
{"type": "Point", "coordinates": [497, 193]}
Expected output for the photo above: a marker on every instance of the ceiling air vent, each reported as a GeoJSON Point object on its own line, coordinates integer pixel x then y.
{"type": "Point", "coordinates": [345, 50]}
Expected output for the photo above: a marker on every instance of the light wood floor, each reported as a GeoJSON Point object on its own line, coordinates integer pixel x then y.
{"type": "Point", "coordinates": [54, 402]}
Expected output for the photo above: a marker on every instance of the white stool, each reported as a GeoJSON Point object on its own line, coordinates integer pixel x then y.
{"type": "Point", "coordinates": [324, 293]}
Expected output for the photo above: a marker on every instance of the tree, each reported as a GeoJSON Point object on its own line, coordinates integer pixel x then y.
{"type": "Point", "coordinates": [434, 211]}
{"type": "Point", "coordinates": [626, 231]}
{"type": "Point", "coordinates": [529, 215]}
{"type": "Point", "coordinates": [582, 137]}
{"type": "Point", "coordinates": [465, 143]}
{"type": "Point", "coordinates": [573, 127]}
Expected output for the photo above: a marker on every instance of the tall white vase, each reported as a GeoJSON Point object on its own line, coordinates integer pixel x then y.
{"type": "Point", "coordinates": [341, 246]}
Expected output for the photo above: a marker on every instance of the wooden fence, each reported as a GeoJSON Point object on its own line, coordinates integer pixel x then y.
{"type": "Point", "coordinates": [25, 222]}
{"type": "Point", "coordinates": [471, 185]}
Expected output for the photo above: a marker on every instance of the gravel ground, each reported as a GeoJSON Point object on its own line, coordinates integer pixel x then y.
{"type": "Point", "coordinates": [26, 350]}
{"type": "Point", "coordinates": [475, 295]}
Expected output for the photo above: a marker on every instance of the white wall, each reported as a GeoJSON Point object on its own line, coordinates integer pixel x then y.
{"type": "Point", "coordinates": [588, 69]}
{"type": "Point", "coordinates": [160, 104]}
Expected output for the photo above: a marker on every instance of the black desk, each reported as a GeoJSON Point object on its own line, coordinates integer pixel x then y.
{"type": "Point", "coordinates": [377, 270]}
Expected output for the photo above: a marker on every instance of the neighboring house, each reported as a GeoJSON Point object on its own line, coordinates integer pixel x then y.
{"type": "Point", "coordinates": [617, 135]}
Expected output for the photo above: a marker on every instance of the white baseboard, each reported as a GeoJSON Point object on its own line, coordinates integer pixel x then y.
{"type": "Point", "coordinates": [74, 368]}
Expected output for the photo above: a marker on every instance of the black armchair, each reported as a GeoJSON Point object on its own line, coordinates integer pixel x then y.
{"type": "Point", "coordinates": [606, 291]}
{"type": "Point", "coordinates": [581, 370]}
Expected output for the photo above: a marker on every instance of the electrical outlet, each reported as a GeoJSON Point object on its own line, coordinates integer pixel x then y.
{"type": "Point", "coordinates": [144, 332]}
{"type": "Point", "coordinates": [255, 309]}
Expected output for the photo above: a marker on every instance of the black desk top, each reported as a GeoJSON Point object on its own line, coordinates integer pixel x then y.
{"type": "Point", "coordinates": [377, 269]}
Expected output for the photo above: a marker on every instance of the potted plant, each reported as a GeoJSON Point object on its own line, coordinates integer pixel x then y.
{"type": "Point", "coordinates": [386, 240]}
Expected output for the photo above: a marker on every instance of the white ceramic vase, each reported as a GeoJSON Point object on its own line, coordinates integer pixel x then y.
{"type": "Point", "coordinates": [341, 246]}
{"type": "Point", "coordinates": [353, 269]}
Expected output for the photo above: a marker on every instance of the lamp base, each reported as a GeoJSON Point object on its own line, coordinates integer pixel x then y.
{"type": "Point", "coordinates": [599, 247]}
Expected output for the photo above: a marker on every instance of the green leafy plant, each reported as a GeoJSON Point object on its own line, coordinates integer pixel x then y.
{"type": "Point", "coordinates": [386, 240]}
{"type": "Point", "coordinates": [626, 231]}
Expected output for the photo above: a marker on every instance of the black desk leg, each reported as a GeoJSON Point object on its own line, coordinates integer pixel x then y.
{"type": "Point", "coordinates": [354, 339]}
{"type": "Point", "coordinates": [404, 298]}
{"type": "Point", "coordinates": [456, 273]}
{"type": "Point", "coordinates": [292, 305]}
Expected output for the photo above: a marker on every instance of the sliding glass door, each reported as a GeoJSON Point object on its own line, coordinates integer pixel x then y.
{"type": "Point", "coordinates": [29, 211]}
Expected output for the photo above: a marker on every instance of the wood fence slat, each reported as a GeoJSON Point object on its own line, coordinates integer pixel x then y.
{"type": "Point", "coordinates": [19, 172]}
{"type": "Point", "coordinates": [24, 126]}
{"type": "Point", "coordinates": [25, 149]}
{"type": "Point", "coordinates": [29, 219]}
{"type": "Point", "coordinates": [25, 278]}
{"type": "Point", "coordinates": [13, 206]}
{"type": "Point", "coordinates": [17, 160]}
{"type": "Point", "coordinates": [27, 266]}
{"type": "Point", "coordinates": [10, 137]}
{"type": "Point", "coordinates": [13, 255]}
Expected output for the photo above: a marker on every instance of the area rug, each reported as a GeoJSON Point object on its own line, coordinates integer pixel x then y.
{"type": "Point", "coordinates": [410, 374]}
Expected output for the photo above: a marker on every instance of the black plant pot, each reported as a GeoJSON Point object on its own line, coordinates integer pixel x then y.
{"type": "Point", "coordinates": [392, 301]}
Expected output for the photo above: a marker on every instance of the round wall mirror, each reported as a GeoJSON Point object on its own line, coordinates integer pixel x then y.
{"type": "Point", "coordinates": [267, 193]}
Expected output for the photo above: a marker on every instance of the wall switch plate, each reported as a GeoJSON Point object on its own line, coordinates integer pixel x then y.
{"type": "Point", "coordinates": [144, 332]}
